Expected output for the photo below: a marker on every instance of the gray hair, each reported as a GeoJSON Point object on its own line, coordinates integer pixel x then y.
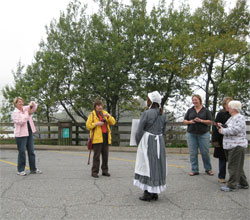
{"type": "Point", "coordinates": [236, 105]}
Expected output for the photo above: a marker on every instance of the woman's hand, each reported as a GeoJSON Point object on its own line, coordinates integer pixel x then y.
{"type": "Point", "coordinates": [218, 125]}
{"type": "Point", "coordinates": [191, 122]}
{"type": "Point", "coordinates": [31, 104]}
{"type": "Point", "coordinates": [220, 130]}
{"type": "Point", "coordinates": [100, 123]}
{"type": "Point", "coordinates": [106, 115]}
{"type": "Point", "coordinates": [198, 120]}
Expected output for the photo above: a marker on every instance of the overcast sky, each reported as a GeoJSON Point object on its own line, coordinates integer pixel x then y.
{"type": "Point", "coordinates": [23, 23]}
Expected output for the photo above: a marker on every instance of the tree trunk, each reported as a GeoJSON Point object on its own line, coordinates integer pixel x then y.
{"type": "Point", "coordinates": [115, 128]}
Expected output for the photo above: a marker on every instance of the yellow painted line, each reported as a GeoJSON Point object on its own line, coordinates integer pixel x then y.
{"type": "Point", "coordinates": [14, 164]}
{"type": "Point", "coordinates": [70, 153]}
{"type": "Point", "coordinates": [112, 158]}
{"type": "Point", "coordinates": [176, 166]}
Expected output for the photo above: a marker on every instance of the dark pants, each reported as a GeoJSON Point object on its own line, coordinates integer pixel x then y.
{"type": "Point", "coordinates": [222, 168]}
{"type": "Point", "coordinates": [236, 158]}
{"type": "Point", "coordinates": [22, 144]}
{"type": "Point", "coordinates": [99, 149]}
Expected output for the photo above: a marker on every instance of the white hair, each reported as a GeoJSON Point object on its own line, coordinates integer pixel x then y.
{"type": "Point", "coordinates": [236, 105]}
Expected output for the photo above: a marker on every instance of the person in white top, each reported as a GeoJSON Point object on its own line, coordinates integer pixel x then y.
{"type": "Point", "coordinates": [235, 144]}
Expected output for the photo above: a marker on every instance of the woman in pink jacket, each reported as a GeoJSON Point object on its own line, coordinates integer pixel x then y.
{"type": "Point", "coordinates": [23, 131]}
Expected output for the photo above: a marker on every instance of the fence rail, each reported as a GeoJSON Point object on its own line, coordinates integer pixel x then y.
{"type": "Point", "coordinates": [68, 133]}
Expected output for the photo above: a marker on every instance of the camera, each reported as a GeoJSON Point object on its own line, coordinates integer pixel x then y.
{"type": "Point", "coordinates": [104, 120]}
{"type": "Point", "coordinates": [224, 126]}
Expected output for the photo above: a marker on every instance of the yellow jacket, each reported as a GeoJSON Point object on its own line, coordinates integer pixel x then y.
{"type": "Point", "coordinates": [90, 124]}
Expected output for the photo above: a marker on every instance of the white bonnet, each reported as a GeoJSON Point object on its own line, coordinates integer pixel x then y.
{"type": "Point", "coordinates": [155, 97]}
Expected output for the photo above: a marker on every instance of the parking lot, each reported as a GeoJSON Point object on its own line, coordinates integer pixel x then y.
{"type": "Point", "coordinates": [66, 190]}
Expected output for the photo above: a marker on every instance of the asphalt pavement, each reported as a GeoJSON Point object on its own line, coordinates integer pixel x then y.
{"type": "Point", "coordinates": [66, 190]}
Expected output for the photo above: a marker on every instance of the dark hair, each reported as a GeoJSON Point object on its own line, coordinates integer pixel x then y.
{"type": "Point", "coordinates": [154, 105]}
{"type": "Point", "coordinates": [97, 102]}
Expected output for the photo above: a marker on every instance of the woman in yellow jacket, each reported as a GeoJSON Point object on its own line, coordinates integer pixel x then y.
{"type": "Point", "coordinates": [99, 122]}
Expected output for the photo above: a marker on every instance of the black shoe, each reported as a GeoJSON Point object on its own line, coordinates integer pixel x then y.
{"type": "Point", "coordinates": [146, 196]}
{"type": "Point", "coordinates": [154, 196]}
{"type": "Point", "coordinates": [95, 175]}
{"type": "Point", "coordinates": [106, 174]}
{"type": "Point", "coordinates": [242, 186]}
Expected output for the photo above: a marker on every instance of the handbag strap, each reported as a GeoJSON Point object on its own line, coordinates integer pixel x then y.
{"type": "Point", "coordinates": [154, 121]}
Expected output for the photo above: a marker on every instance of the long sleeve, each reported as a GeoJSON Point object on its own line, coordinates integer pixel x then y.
{"type": "Point", "coordinates": [20, 118]}
{"type": "Point", "coordinates": [90, 124]}
{"type": "Point", "coordinates": [235, 126]}
{"type": "Point", "coordinates": [235, 133]}
{"type": "Point", "coordinates": [140, 131]}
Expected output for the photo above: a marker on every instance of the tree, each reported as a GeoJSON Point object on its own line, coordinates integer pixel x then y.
{"type": "Point", "coordinates": [164, 61]}
{"type": "Point", "coordinates": [10, 92]}
{"type": "Point", "coordinates": [237, 84]}
{"type": "Point", "coordinates": [219, 45]}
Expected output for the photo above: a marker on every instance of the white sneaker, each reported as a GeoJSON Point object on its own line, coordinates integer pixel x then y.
{"type": "Point", "coordinates": [37, 171]}
{"type": "Point", "coordinates": [22, 173]}
{"type": "Point", "coordinates": [227, 189]}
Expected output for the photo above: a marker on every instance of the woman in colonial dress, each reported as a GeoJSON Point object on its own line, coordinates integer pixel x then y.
{"type": "Point", "coordinates": [151, 167]}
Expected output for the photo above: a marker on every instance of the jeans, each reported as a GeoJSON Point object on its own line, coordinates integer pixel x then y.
{"type": "Point", "coordinates": [222, 168]}
{"type": "Point", "coordinates": [201, 141]}
{"type": "Point", "coordinates": [22, 144]}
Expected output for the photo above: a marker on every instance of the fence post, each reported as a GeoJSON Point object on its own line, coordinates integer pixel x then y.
{"type": "Point", "coordinates": [115, 136]}
{"type": "Point", "coordinates": [77, 134]}
{"type": "Point", "coordinates": [65, 132]}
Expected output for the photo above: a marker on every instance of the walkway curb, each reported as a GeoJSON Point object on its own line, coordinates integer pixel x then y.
{"type": "Point", "coordinates": [111, 148]}
{"type": "Point", "coordinates": [84, 148]}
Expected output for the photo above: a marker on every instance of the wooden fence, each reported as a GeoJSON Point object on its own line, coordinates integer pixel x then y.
{"type": "Point", "coordinates": [68, 133]}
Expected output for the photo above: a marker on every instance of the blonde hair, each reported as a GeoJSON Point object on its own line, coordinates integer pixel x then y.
{"type": "Point", "coordinates": [236, 105]}
{"type": "Point", "coordinates": [17, 99]}
{"type": "Point", "coordinates": [225, 100]}
{"type": "Point", "coordinates": [198, 97]}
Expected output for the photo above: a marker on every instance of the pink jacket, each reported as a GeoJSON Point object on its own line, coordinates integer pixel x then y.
{"type": "Point", "coordinates": [20, 120]}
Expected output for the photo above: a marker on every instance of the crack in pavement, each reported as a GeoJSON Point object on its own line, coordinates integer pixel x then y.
{"type": "Point", "coordinates": [10, 186]}
{"type": "Point", "coordinates": [65, 211]}
{"type": "Point", "coordinates": [29, 205]}
{"type": "Point", "coordinates": [234, 201]}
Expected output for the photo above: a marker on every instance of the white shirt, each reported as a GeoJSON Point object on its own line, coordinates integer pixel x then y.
{"type": "Point", "coordinates": [235, 133]}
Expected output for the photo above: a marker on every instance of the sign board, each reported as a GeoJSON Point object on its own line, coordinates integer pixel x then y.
{"type": "Point", "coordinates": [65, 133]}
{"type": "Point", "coordinates": [135, 124]}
